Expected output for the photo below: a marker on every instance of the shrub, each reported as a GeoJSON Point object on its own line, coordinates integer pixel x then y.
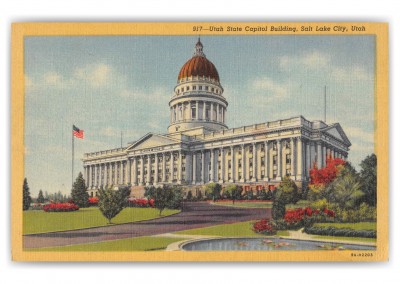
{"type": "Point", "coordinates": [340, 232]}
{"type": "Point", "coordinates": [264, 226]}
{"type": "Point", "coordinates": [278, 210]}
{"type": "Point", "coordinates": [60, 207]}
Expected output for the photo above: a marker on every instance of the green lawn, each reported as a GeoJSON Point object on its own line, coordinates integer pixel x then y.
{"type": "Point", "coordinates": [266, 204]}
{"type": "Point", "coordinates": [36, 221]}
{"type": "Point", "coordinates": [132, 244]}
{"type": "Point", "coordinates": [353, 226]}
{"type": "Point", "coordinates": [242, 229]}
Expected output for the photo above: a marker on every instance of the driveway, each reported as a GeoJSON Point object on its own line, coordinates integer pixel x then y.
{"type": "Point", "coordinates": [193, 215]}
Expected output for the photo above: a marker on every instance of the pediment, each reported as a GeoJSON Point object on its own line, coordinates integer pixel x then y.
{"type": "Point", "coordinates": [152, 140]}
{"type": "Point", "coordinates": [337, 132]}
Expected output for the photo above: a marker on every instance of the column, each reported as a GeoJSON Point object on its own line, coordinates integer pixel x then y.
{"type": "Point", "coordinates": [254, 162]}
{"type": "Point", "coordinates": [319, 155]}
{"type": "Point", "coordinates": [197, 110]}
{"type": "Point", "coordinates": [279, 160]}
{"type": "Point", "coordinates": [135, 169]}
{"type": "Point", "coordinates": [148, 178]}
{"type": "Point", "coordinates": [222, 165]}
{"type": "Point", "coordinates": [141, 170]}
{"type": "Point", "coordinates": [267, 161]}
{"type": "Point", "coordinates": [204, 110]}
{"type": "Point", "coordinates": [202, 166]}
{"type": "Point", "coordinates": [308, 158]}
{"type": "Point", "coordinates": [212, 112]}
{"type": "Point", "coordinates": [218, 118]}
{"type": "Point", "coordinates": [171, 166]}
{"type": "Point", "coordinates": [233, 173]}
{"type": "Point", "coordinates": [129, 171]}
{"type": "Point", "coordinates": [299, 169]}
{"type": "Point", "coordinates": [194, 162]}
{"type": "Point", "coordinates": [243, 164]}
{"type": "Point", "coordinates": [292, 157]}
{"type": "Point", "coordinates": [324, 155]}
{"type": "Point", "coordinates": [121, 171]}
{"type": "Point", "coordinates": [212, 160]}
{"type": "Point", "coordinates": [164, 165]}
{"type": "Point", "coordinates": [179, 167]}
{"type": "Point", "coordinates": [156, 169]}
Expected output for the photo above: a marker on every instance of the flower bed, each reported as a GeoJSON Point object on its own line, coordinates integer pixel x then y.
{"type": "Point", "coordinates": [264, 226]}
{"type": "Point", "coordinates": [140, 202]}
{"type": "Point", "coordinates": [93, 201]}
{"type": "Point", "coordinates": [243, 201]}
{"type": "Point", "coordinates": [60, 207]}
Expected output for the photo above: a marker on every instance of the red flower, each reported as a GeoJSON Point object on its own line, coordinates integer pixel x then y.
{"type": "Point", "coordinates": [60, 207]}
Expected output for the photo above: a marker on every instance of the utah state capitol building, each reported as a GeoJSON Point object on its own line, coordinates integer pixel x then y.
{"type": "Point", "coordinates": [200, 148]}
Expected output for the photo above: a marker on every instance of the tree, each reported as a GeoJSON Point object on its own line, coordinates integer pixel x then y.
{"type": "Point", "coordinates": [345, 190]}
{"type": "Point", "coordinates": [112, 202]}
{"type": "Point", "coordinates": [79, 194]}
{"type": "Point", "coordinates": [189, 195]}
{"type": "Point", "coordinates": [287, 192]}
{"type": "Point", "coordinates": [40, 198]}
{"type": "Point", "coordinates": [26, 198]}
{"type": "Point", "coordinates": [213, 191]}
{"type": "Point", "coordinates": [162, 196]}
{"type": "Point", "coordinates": [233, 192]}
{"type": "Point", "coordinates": [177, 197]}
{"type": "Point", "coordinates": [368, 179]}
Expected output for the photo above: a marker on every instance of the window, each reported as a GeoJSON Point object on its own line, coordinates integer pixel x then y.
{"type": "Point", "coordinates": [206, 88]}
{"type": "Point", "coordinates": [212, 89]}
{"type": "Point", "coordinates": [251, 174]}
{"type": "Point", "coordinates": [288, 172]}
{"type": "Point", "coordinates": [250, 162]}
{"type": "Point", "coordinates": [275, 159]}
{"type": "Point", "coordinates": [262, 161]}
{"type": "Point", "coordinates": [274, 174]}
{"type": "Point", "coordinates": [251, 150]}
{"type": "Point", "coordinates": [187, 88]}
{"type": "Point", "coordinates": [182, 89]}
{"type": "Point", "coordinates": [262, 173]}
{"type": "Point", "coordinates": [240, 163]}
{"type": "Point", "coordinates": [262, 148]}
{"type": "Point", "coordinates": [288, 159]}
{"type": "Point", "coordinates": [200, 88]}
{"type": "Point", "coordinates": [229, 176]}
{"type": "Point", "coordinates": [193, 112]}
{"type": "Point", "coordinates": [194, 88]}
{"type": "Point", "coordinates": [229, 164]}
{"type": "Point", "coordinates": [219, 165]}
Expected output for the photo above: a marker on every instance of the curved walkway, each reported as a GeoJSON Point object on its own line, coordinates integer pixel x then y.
{"type": "Point", "coordinates": [194, 215]}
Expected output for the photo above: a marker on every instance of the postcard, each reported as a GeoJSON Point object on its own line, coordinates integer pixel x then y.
{"type": "Point", "coordinates": [200, 142]}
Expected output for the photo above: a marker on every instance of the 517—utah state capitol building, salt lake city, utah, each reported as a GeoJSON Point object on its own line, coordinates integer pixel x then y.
{"type": "Point", "coordinates": [200, 148]}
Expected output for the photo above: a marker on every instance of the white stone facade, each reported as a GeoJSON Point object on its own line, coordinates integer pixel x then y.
{"type": "Point", "coordinates": [199, 148]}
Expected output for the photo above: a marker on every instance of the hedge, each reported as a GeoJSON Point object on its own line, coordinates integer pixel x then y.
{"type": "Point", "coordinates": [340, 232]}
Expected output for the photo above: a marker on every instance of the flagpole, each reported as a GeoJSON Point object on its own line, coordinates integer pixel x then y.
{"type": "Point", "coordinates": [72, 179]}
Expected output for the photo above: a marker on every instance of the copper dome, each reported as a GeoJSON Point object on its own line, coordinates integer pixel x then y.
{"type": "Point", "coordinates": [199, 65]}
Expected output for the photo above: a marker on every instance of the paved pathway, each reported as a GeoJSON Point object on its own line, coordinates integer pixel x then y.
{"type": "Point", "coordinates": [194, 215]}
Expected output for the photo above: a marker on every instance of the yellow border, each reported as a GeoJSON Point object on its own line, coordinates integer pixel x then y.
{"type": "Point", "coordinates": [20, 30]}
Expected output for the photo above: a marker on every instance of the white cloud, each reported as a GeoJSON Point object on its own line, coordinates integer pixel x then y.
{"type": "Point", "coordinates": [352, 73]}
{"type": "Point", "coordinates": [99, 75]}
{"type": "Point", "coordinates": [312, 60]}
{"type": "Point", "coordinates": [271, 89]}
{"type": "Point", "coordinates": [52, 78]}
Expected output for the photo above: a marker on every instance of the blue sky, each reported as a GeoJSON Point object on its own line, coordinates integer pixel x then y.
{"type": "Point", "coordinates": [108, 84]}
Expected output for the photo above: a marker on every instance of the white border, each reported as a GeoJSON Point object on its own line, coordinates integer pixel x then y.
{"type": "Point", "coordinates": [174, 10]}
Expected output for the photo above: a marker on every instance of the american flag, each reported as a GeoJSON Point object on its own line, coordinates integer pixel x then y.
{"type": "Point", "coordinates": [78, 133]}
